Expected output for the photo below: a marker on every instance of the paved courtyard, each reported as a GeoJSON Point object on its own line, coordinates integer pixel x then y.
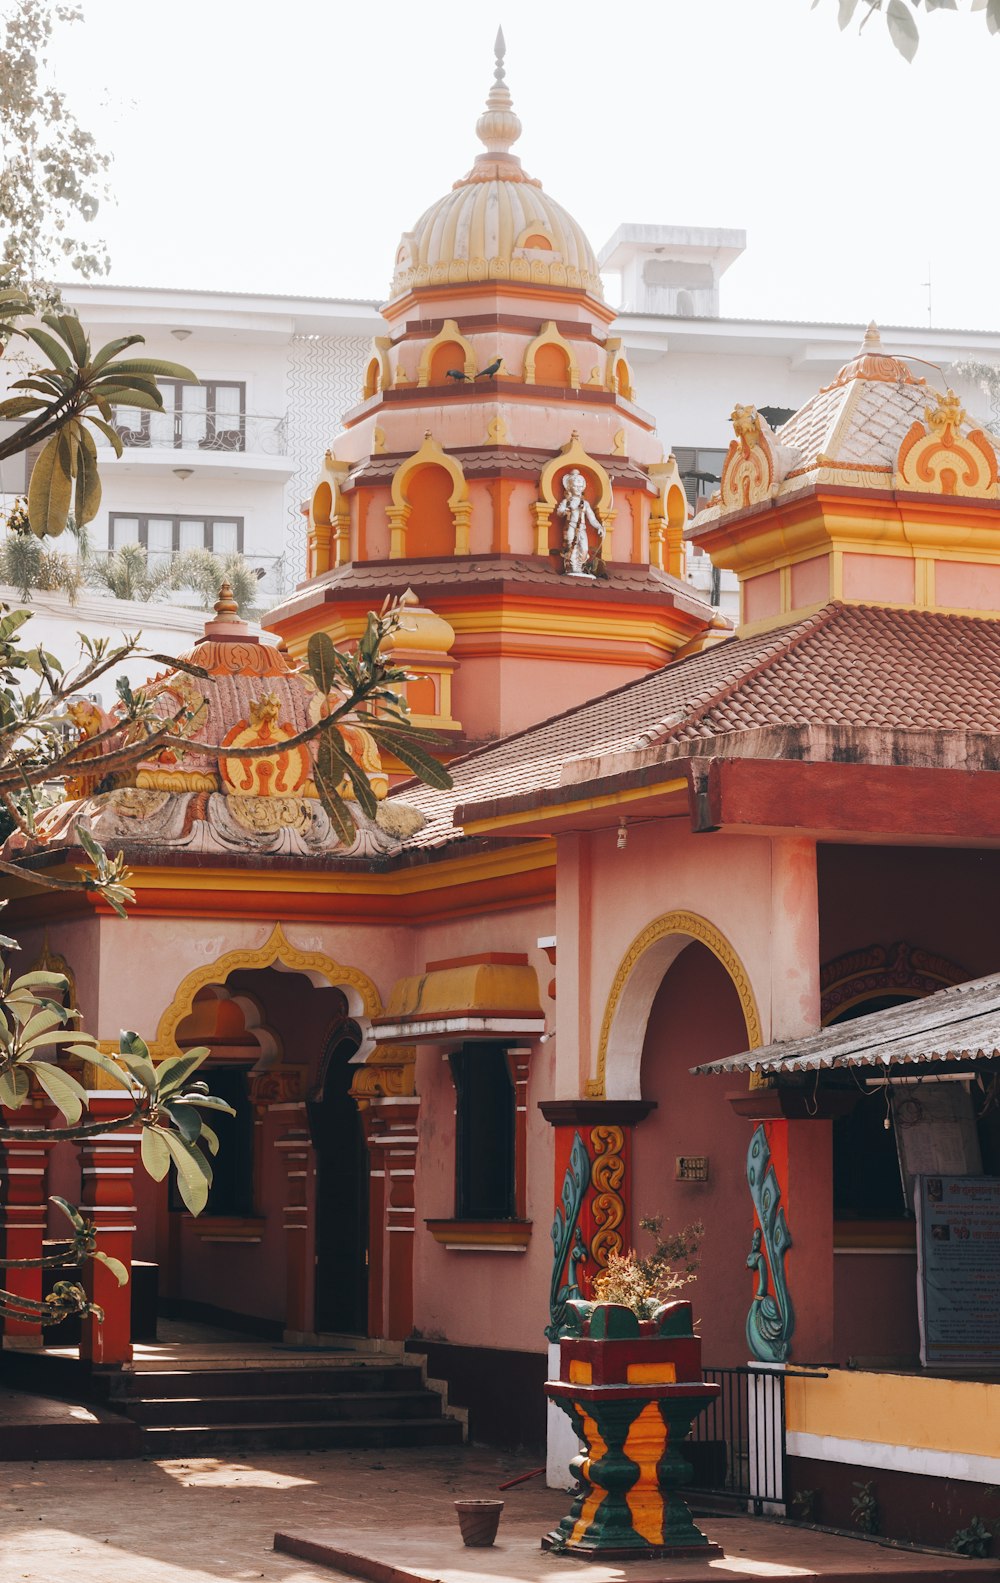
{"type": "Point", "coordinates": [214, 1521]}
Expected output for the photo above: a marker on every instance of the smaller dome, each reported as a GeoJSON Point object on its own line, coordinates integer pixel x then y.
{"type": "Point", "coordinates": [496, 223]}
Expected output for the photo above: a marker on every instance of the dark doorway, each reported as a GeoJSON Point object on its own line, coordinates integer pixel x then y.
{"type": "Point", "coordinates": [341, 1192]}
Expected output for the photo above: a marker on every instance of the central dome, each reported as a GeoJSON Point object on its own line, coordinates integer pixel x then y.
{"type": "Point", "coordinates": [496, 223]}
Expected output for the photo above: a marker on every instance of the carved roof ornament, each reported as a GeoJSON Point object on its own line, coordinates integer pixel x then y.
{"type": "Point", "coordinates": [749, 473]}
{"type": "Point", "coordinates": [873, 362]}
{"type": "Point", "coordinates": [935, 457]}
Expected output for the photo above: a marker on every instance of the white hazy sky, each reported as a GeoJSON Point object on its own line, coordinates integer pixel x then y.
{"type": "Point", "coordinates": [283, 147]}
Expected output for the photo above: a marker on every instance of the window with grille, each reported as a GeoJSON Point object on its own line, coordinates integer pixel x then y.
{"type": "Point", "coordinates": [166, 536]}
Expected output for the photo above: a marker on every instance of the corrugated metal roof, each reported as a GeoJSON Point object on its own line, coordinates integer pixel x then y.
{"type": "Point", "coordinates": [955, 1026]}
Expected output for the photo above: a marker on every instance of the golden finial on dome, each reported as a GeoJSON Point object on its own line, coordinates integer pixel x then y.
{"type": "Point", "coordinates": [225, 606]}
{"type": "Point", "coordinates": [498, 127]}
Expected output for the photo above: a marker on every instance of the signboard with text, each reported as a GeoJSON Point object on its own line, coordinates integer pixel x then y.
{"type": "Point", "coordinates": [958, 1269]}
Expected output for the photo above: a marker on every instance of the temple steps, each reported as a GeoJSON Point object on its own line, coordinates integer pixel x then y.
{"type": "Point", "coordinates": [195, 1412]}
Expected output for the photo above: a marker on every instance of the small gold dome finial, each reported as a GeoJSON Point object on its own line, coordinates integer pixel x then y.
{"type": "Point", "coordinates": [498, 127]}
{"type": "Point", "coordinates": [226, 607]}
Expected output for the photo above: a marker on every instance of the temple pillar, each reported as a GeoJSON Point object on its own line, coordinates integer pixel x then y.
{"type": "Point", "coordinates": [295, 1146]}
{"type": "Point", "coordinates": [797, 1152]}
{"type": "Point", "coordinates": [372, 1125]}
{"type": "Point", "coordinates": [23, 1216]}
{"type": "Point", "coordinates": [393, 1139]}
{"type": "Point", "coordinates": [594, 1141]}
{"type": "Point", "coordinates": [107, 1170]}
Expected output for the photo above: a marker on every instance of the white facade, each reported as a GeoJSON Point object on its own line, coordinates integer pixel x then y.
{"type": "Point", "coordinates": [240, 455]}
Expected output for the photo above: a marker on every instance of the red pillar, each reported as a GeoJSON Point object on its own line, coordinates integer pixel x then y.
{"type": "Point", "coordinates": [23, 1215]}
{"type": "Point", "coordinates": [296, 1147]}
{"type": "Point", "coordinates": [107, 1169]}
{"type": "Point", "coordinates": [372, 1123]}
{"type": "Point", "coordinates": [394, 1137]}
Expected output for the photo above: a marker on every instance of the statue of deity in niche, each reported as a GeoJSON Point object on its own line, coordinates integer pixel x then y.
{"type": "Point", "coordinates": [579, 517]}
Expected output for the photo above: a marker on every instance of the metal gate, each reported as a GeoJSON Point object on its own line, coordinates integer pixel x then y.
{"type": "Point", "coordinates": [737, 1445]}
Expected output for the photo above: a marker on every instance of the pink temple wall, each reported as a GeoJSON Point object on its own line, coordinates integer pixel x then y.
{"type": "Point", "coordinates": [760, 596]}
{"type": "Point", "coordinates": [810, 581]}
{"type": "Point", "coordinates": [882, 578]}
{"type": "Point", "coordinates": [963, 585]}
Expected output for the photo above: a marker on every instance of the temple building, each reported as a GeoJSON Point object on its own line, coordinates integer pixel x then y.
{"type": "Point", "coordinates": [717, 848]}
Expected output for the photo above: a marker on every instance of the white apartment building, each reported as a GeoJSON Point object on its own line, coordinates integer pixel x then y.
{"type": "Point", "coordinates": [230, 462]}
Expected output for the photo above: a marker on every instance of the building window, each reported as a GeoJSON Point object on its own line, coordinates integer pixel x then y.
{"type": "Point", "coordinates": [206, 417]}
{"type": "Point", "coordinates": [164, 537]}
{"type": "Point", "coordinates": [484, 1133]}
{"type": "Point", "coordinates": [231, 1192]}
{"type": "Point", "coordinates": [701, 471]}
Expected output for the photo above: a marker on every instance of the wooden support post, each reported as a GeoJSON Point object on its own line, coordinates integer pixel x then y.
{"type": "Point", "coordinates": [23, 1215]}
{"type": "Point", "coordinates": [300, 1168]}
{"type": "Point", "coordinates": [107, 1167]}
{"type": "Point", "coordinates": [395, 1139]}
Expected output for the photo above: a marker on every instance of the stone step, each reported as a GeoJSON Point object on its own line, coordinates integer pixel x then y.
{"type": "Point", "coordinates": [367, 1379]}
{"type": "Point", "coordinates": [345, 1407]}
{"type": "Point", "coordinates": [195, 1440]}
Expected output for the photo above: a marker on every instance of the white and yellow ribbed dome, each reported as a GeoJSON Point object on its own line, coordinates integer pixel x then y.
{"type": "Point", "coordinates": [496, 223]}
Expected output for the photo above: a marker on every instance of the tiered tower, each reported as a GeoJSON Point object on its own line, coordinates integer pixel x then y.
{"type": "Point", "coordinates": [496, 379]}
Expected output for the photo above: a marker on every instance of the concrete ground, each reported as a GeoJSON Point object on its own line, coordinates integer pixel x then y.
{"type": "Point", "coordinates": [214, 1521]}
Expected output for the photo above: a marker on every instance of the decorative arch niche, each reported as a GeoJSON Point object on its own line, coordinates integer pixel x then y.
{"type": "Point", "coordinates": [329, 531]}
{"type": "Point", "coordinates": [547, 355]}
{"type": "Point", "coordinates": [599, 492]}
{"type": "Point", "coordinates": [433, 484]}
{"type": "Point", "coordinates": [363, 999]}
{"type": "Point", "coordinates": [448, 348]}
{"type": "Point", "coordinates": [634, 987]}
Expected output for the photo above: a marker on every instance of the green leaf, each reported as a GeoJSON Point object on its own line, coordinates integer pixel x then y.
{"type": "Point", "coordinates": [14, 1087]}
{"type": "Point", "coordinates": [127, 396]}
{"type": "Point", "coordinates": [112, 349]}
{"type": "Point", "coordinates": [211, 1137]}
{"type": "Point", "coordinates": [55, 353]}
{"type": "Point", "coordinates": [19, 407]}
{"type": "Point", "coordinates": [50, 491]}
{"type": "Point", "coordinates": [993, 15]}
{"type": "Point", "coordinates": [110, 381]}
{"type": "Point", "coordinates": [133, 1053]}
{"type": "Point", "coordinates": [112, 436]}
{"type": "Point", "coordinates": [116, 1266]}
{"type": "Point", "coordinates": [185, 1118]}
{"type": "Point", "coordinates": [422, 764]}
{"type": "Point", "coordinates": [902, 28]}
{"type": "Point", "coordinates": [41, 1022]}
{"type": "Point", "coordinates": [321, 661]}
{"type": "Point", "coordinates": [327, 780]}
{"type": "Point", "coordinates": [845, 12]}
{"type": "Point", "coordinates": [70, 1211]}
{"type": "Point", "coordinates": [93, 849]}
{"type": "Point", "coordinates": [107, 1063]}
{"type": "Point", "coordinates": [333, 753]}
{"type": "Point", "coordinates": [41, 980]}
{"type": "Point", "coordinates": [194, 1174]}
{"type": "Point", "coordinates": [87, 498]}
{"type": "Point", "coordinates": [63, 1090]}
{"type": "Point", "coordinates": [68, 326]}
{"type": "Point", "coordinates": [155, 1154]}
{"type": "Point", "coordinates": [158, 367]}
{"type": "Point", "coordinates": [208, 1102]}
{"type": "Point", "coordinates": [176, 1069]}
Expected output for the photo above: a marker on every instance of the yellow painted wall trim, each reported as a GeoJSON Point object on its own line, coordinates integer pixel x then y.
{"type": "Point", "coordinates": [916, 1410]}
{"type": "Point", "coordinates": [573, 809]}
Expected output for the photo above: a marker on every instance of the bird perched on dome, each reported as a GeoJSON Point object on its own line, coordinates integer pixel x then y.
{"type": "Point", "coordinates": [457, 373]}
{"type": "Point", "coordinates": [487, 373]}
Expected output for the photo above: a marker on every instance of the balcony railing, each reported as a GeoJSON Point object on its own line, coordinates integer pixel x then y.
{"type": "Point", "coordinates": [181, 431]}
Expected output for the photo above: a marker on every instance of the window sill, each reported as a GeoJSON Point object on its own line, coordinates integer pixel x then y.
{"type": "Point", "coordinates": [229, 1228]}
{"type": "Point", "coordinates": [481, 1236]}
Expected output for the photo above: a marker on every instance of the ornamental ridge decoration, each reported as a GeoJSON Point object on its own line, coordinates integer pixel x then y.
{"type": "Point", "coordinates": [697, 928]}
{"type": "Point", "coordinates": [607, 1173]}
{"type": "Point", "coordinates": [568, 1245]}
{"type": "Point", "coordinates": [771, 1320]}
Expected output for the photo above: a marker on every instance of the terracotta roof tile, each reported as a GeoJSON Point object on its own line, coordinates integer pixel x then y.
{"type": "Point", "coordinates": [381, 577]}
{"type": "Point", "coordinates": [844, 666]}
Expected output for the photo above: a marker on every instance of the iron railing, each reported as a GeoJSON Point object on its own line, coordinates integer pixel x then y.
{"type": "Point", "coordinates": [185, 431]}
{"type": "Point", "coordinates": [737, 1445]}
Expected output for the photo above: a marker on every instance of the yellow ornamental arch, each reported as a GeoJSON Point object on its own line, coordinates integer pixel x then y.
{"type": "Point", "coordinates": [449, 333]}
{"type": "Point", "coordinates": [549, 336]}
{"type": "Point", "coordinates": [363, 997]}
{"type": "Point", "coordinates": [378, 375]}
{"type": "Point", "coordinates": [639, 975]}
{"type": "Point", "coordinates": [430, 454]}
{"type": "Point", "coordinates": [571, 455]}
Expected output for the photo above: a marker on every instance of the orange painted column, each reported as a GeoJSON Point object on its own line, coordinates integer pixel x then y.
{"type": "Point", "coordinates": [107, 1169]}
{"type": "Point", "coordinates": [295, 1146]}
{"type": "Point", "coordinates": [23, 1215]}
{"type": "Point", "coordinates": [394, 1137]}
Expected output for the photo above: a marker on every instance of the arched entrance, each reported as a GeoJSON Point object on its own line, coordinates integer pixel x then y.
{"type": "Point", "coordinates": [341, 1296]}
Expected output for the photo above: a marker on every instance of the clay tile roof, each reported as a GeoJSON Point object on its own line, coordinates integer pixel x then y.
{"type": "Point", "coordinates": [370, 577]}
{"type": "Point", "coordinates": [846, 665]}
